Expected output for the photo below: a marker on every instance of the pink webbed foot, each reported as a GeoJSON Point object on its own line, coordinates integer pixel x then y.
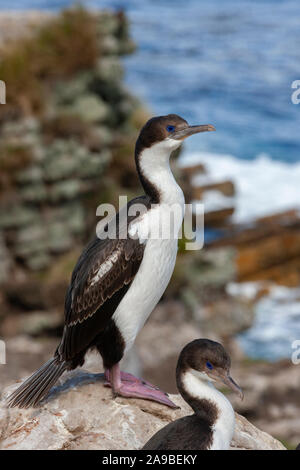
{"type": "Point", "coordinates": [127, 385]}
{"type": "Point", "coordinates": [126, 377]}
{"type": "Point", "coordinates": [138, 390]}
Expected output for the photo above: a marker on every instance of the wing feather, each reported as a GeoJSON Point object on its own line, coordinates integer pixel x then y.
{"type": "Point", "coordinates": [100, 279]}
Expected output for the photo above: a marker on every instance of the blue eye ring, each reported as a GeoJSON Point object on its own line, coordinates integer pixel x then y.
{"type": "Point", "coordinates": [170, 128]}
{"type": "Point", "coordinates": [209, 365]}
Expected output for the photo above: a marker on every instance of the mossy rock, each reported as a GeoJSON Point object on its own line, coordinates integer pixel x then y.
{"type": "Point", "coordinates": [59, 237]}
{"type": "Point", "coordinates": [65, 190]}
{"type": "Point", "coordinates": [59, 167]}
{"type": "Point", "coordinates": [110, 45]}
{"type": "Point", "coordinates": [17, 216]}
{"type": "Point", "coordinates": [89, 108]}
{"type": "Point", "coordinates": [74, 217]}
{"type": "Point", "coordinates": [33, 174]}
{"type": "Point", "coordinates": [35, 193]}
{"type": "Point", "coordinates": [38, 261]}
{"type": "Point", "coordinates": [93, 166]}
{"type": "Point", "coordinates": [109, 69]}
{"type": "Point", "coordinates": [66, 92]}
{"type": "Point", "coordinates": [107, 24]}
{"type": "Point", "coordinates": [31, 240]}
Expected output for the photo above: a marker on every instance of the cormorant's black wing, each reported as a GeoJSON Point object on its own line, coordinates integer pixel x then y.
{"type": "Point", "coordinates": [100, 279]}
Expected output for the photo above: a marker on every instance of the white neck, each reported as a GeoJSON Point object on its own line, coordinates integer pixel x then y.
{"type": "Point", "coordinates": [155, 167]}
{"type": "Point", "coordinates": [199, 386]}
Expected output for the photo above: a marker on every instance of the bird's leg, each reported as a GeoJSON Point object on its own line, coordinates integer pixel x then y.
{"type": "Point", "coordinates": [106, 376]}
{"type": "Point", "coordinates": [126, 377]}
{"type": "Point", "coordinates": [126, 385]}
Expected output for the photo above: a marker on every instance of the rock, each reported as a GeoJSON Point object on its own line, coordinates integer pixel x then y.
{"type": "Point", "coordinates": [65, 190]}
{"type": "Point", "coordinates": [33, 174]}
{"type": "Point", "coordinates": [268, 249]}
{"type": "Point", "coordinates": [94, 164]}
{"type": "Point", "coordinates": [60, 239]}
{"type": "Point", "coordinates": [23, 127]}
{"type": "Point", "coordinates": [110, 45]}
{"type": "Point", "coordinates": [225, 317]}
{"type": "Point", "coordinates": [36, 193]}
{"type": "Point", "coordinates": [285, 274]}
{"type": "Point", "coordinates": [67, 139]}
{"type": "Point", "coordinates": [88, 107]}
{"type": "Point", "coordinates": [218, 217]}
{"type": "Point", "coordinates": [34, 323]}
{"type": "Point", "coordinates": [17, 216]}
{"type": "Point", "coordinates": [109, 69]}
{"type": "Point", "coordinates": [269, 252]}
{"type": "Point", "coordinates": [77, 86]}
{"type": "Point", "coordinates": [25, 295]}
{"type": "Point", "coordinates": [190, 171]}
{"type": "Point", "coordinates": [81, 414]}
{"type": "Point", "coordinates": [99, 137]}
{"type": "Point", "coordinates": [75, 218]}
{"type": "Point", "coordinates": [31, 240]}
{"type": "Point", "coordinates": [225, 187]}
{"type": "Point", "coordinates": [204, 270]}
{"type": "Point", "coordinates": [60, 166]}
{"type": "Point", "coordinates": [271, 397]}
{"type": "Point", "coordinates": [249, 437]}
{"type": "Point", "coordinates": [5, 260]}
{"type": "Point", "coordinates": [38, 261]}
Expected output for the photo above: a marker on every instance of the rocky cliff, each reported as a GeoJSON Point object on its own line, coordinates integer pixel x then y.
{"type": "Point", "coordinates": [81, 414]}
{"type": "Point", "coordinates": [67, 118]}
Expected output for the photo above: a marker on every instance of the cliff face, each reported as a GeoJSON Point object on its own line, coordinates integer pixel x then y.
{"type": "Point", "coordinates": [67, 134]}
{"type": "Point", "coordinates": [81, 414]}
{"type": "Point", "coordinates": [67, 117]}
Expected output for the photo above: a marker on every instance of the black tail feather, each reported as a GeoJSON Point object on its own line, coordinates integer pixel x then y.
{"type": "Point", "coordinates": [36, 387]}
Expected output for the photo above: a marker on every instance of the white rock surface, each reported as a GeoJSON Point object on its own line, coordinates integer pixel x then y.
{"type": "Point", "coordinates": [81, 414]}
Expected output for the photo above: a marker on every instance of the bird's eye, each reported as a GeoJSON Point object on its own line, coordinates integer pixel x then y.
{"type": "Point", "coordinates": [170, 128]}
{"type": "Point", "coordinates": [209, 365]}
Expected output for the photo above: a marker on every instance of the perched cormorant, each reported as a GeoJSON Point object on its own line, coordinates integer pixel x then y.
{"type": "Point", "coordinates": [118, 280]}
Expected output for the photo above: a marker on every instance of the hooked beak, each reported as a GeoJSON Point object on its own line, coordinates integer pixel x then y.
{"type": "Point", "coordinates": [190, 130]}
{"type": "Point", "coordinates": [224, 377]}
{"type": "Point", "coordinates": [227, 380]}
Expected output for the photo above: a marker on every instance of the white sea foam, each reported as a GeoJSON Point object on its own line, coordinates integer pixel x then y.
{"type": "Point", "coordinates": [264, 186]}
{"type": "Point", "coordinates": [276, 325]}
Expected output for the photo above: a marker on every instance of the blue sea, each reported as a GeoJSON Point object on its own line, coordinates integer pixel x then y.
{"type": "Point", "coordinates": [229, 63]}
{"type": "Point", "coordinates": [222, 61]}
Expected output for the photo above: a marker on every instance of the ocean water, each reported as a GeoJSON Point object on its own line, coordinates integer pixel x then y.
{"type": "Point", "coordinates": [275, 333]}
{"type": "Point", "coordinates": [230, 64]}
{"type": "Point", "coordinates": [227, 63]}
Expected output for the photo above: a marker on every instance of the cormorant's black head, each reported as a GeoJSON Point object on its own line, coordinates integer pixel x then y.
{"type": "Point", "coordinates": [171, 129]}
{"type": "Point", "coordinates": [159, 137]}
{"type": "Point", "coordinates": [209, 361]}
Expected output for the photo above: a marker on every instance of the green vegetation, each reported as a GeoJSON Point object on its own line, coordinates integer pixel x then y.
{"type": "Point", "coordinates": [62, 47]}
